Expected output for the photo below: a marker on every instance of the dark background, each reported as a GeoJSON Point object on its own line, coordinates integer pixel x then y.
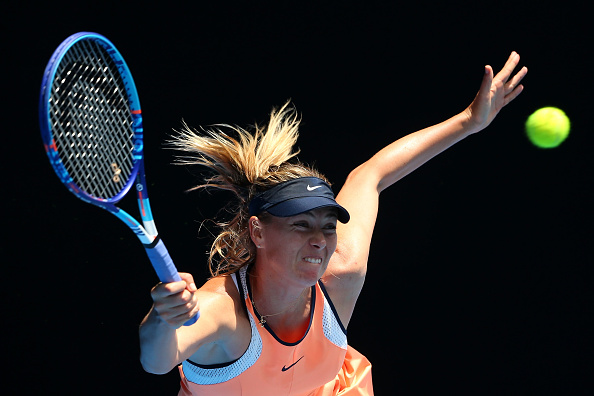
{"type": "Point", "coordinates": [479, 278]}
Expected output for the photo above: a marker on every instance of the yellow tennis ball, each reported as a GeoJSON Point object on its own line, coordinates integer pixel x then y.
{"type": "Point", "coordinates": [547, 127]}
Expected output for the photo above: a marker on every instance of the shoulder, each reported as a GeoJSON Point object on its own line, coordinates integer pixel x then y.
{"type": "Point", "coordinates": [223, 321]}
{"type": "Point", "coordinates": [220, 300]}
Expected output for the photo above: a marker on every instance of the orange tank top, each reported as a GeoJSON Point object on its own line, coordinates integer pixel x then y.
{"type": "Point", "coordinates": [320, 364]}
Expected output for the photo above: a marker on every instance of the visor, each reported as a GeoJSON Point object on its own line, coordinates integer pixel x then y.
{"type": "Point", "coordinates": [297, 196]}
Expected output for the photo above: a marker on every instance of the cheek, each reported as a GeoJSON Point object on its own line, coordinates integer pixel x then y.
{"type": "Point", "coordinates": [331, 243]}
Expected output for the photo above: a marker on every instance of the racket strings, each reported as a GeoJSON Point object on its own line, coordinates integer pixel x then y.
{"type": "Point", "coordinates": [91, 120]}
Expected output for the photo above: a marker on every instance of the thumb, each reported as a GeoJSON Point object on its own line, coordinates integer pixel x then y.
{"type": "Point", "coordinates": [189, 279]}
{"type": "Point", "coordinates": [485, 88]}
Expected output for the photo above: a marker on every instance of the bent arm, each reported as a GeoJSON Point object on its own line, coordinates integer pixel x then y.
{"type": "Point", "coordinates": [360, 196]}
{"type": "Point", "coordinates": [360, 193]}
{"type": "Point", "coordinates": [164, 341]}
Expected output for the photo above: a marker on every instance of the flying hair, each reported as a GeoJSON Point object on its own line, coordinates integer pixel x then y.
{"type": "Point", "coordinates": [244, 163]}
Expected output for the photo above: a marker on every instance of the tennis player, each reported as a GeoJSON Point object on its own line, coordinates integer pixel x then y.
{"type": "Point", "coordinates": [289, 265]}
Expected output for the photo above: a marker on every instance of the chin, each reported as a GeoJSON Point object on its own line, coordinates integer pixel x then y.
{"type": "Point", "coordinates": [311, 272]}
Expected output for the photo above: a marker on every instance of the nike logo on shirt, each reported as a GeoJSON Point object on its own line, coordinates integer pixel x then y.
{"type": "Point", "coordinates": [286, 368]}
{"type": "Point", "coordinates": [312, 188]}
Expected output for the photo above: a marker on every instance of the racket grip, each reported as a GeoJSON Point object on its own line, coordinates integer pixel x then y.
{"type": "Point", "coordinates": [165, 269]}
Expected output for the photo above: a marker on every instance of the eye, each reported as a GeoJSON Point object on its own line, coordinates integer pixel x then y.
{"type": "Point", "coordinates": [330, 227]}
{"type": "Point", "coordinates": [301, 224]}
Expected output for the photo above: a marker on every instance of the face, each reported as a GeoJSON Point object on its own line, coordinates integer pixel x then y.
{"type": "Point", "coordinates": [297, 249]}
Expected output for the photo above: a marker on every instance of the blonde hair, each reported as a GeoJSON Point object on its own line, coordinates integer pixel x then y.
{"type": "Point", "coordinates": [245, 165]}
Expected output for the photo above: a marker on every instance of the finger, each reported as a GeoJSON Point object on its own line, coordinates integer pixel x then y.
{"type": "Point", "coordinates": [182, 299]}
{"type": "Point", "coordinates": [181, 306]}
{"type": "Point", "coordinates": [189, 279]}
{"type": "Point", "coordinates": [509, 67]}
{"type": "Point", "coordinates": [179, 320]}
{"type": "Point", "coordinates": [163, 290]}
{"type": "Point", "coordinates": [515, 81]}
{"type": "Point", "coordinates": [175, 305]}
{"type": "Point", "coordinates": [514, 94]}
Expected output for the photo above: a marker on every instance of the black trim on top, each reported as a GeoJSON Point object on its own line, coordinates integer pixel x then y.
{"type": "Point", "coordinates": [269, 329]}
{"type": "Point", "coordinates": [344, 330]}
{"type": "Point", "coordinates": [241, 291]}
{"type": "Point", "coordinates": [212, 366]}
{"type": "Point", "coordinates": [153, 243]}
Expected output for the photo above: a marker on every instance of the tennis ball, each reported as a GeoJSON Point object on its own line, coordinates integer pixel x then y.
{"type": "Point", "coordinates": [547, 127]}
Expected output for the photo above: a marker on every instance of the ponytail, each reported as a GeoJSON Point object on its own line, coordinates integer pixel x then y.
{"type": "Point", "coordinates": [246, 164]}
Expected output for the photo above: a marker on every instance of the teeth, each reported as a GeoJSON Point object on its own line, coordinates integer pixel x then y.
{"type": "Point", "coordinates": [313, 261]}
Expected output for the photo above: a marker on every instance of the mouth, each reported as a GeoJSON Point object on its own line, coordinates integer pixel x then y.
{"type": "Point", "coordinates": [313, 260]}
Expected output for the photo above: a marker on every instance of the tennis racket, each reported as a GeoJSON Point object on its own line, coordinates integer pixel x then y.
{"type": "Point", "coordinates": [91, 125]}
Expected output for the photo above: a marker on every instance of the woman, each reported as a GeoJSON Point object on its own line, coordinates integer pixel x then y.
{"type": "Point", "coordinates": [288, 268]}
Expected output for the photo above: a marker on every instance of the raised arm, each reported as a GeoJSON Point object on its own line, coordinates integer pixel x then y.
{"type": "Point", "coordinates": [360, 193]}
{"type": "Point", "coordinates": [410, 152]}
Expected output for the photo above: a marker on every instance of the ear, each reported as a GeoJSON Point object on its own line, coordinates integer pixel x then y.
{"type": "Point", "coordinates": [255, 227]}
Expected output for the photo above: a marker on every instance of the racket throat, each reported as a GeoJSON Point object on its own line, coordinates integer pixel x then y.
{"type": "Point", "coordinates": [145, 237]}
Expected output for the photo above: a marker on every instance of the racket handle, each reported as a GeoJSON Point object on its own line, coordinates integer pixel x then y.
{"type": "Point", "coordinates": [166, 271]}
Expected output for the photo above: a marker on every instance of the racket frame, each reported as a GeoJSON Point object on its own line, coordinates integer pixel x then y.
{"type": "Point", "coordinates": [146, 232]}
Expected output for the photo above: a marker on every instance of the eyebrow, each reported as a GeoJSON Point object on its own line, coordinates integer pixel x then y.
{"type": "Point", "coordinates": [332, 214]}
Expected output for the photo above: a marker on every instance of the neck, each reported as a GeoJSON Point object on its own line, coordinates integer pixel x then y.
{"type": "Point", "coordinates": [276, 301]}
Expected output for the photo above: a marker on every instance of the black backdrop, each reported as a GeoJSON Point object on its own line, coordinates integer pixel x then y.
{"type": "Point", "coordinates": [479, 279]}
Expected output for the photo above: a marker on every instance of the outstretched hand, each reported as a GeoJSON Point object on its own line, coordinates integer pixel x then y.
{"type": "Point", "coordinates": [495, 93]}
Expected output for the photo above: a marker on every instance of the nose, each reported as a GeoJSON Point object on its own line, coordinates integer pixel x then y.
{"type": "Point", "coordinates": [318, 240]}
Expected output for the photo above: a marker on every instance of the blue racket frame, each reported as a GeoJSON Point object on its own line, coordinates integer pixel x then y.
{"type": "Point", "coordinates": [146, 232]}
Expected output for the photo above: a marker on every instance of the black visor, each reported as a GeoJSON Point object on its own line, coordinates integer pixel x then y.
{"type": "Point", "coordinates": [297, 196]}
